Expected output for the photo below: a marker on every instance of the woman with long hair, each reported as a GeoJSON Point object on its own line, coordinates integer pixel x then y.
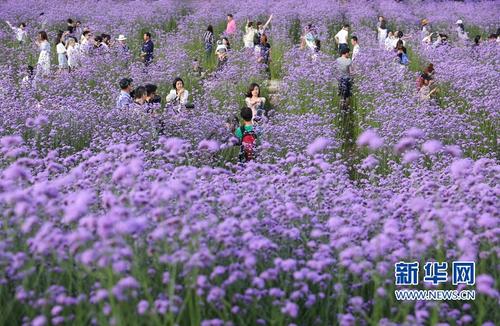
{"type": "Point", "coordinates": [61, 52]}
{"type": "Point", "coordinates": [382, 30]}
{"type": "Point", "coordinates": [43, 65]}
{"type": "Point", "coordinates": [178, 94]}
{"type": "Point", "coordinates": [208, 40]}
{"type": "Point", "coordinates": [250, 33]}
{"type": "Point", "coordinates": [254, 101]}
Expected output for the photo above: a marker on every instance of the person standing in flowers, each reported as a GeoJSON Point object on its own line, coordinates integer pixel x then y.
{"type": "Point", "coordinates": [263, 52]}
{"type": "Point", "coordinates": [72, 51]}
{"type": "Point", "coordinates": [341, 38]}
{"type": "Point", "coordinates": [43, 65]}
{"type": "Point", "coordinates": [61, 52]}
{"type": "Point", "coordinates": [250, 34]}
{"type": "Point", "coordinates": [247, 136]}
{"type": "Point", "coordinates": [344, 65]}
{"type": "Point", "coordinates": [21, 34]}
{"type": "Point", "coordinates": [254, 101]}
{"type": "Point", "coordinates": [460, 29]}
{"type": "Point", "coordinates": [381, 31]}
{"type": "Point", "coordinates": [309, 38]}
{"type": "Point", "coordinates": [147, 49]}
{"type": "Point", "coordinates": [389, 41]}
{"type": "Point", "coordinates": [122, 44]}
{"type": "Point", "coordinates": [425, 29]}
{"type": "Point", "coordinates": [124, 99]}
{"type": "Point", "coordinates": [231, 25]}
{"type": "Point", "coordinates": [208, 40]}
{"type": "Point", "coordinates": [355, 47]}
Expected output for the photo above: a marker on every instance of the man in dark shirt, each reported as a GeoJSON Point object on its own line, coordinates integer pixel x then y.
{"type": "Point", "coordinates": [147, 49]}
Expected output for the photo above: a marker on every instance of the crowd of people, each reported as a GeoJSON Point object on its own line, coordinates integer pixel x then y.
{"type": "Point", "coordinates": [76, 42]}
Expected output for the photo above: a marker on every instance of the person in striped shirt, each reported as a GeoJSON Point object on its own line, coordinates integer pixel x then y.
{"type": "Point", "coordinates": [208, 40]}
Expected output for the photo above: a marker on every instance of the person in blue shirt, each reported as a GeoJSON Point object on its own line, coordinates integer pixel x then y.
{"type": "Point", "coordinates": [147, 49]}
{"type": "Point", "coordinates": [124, 99]}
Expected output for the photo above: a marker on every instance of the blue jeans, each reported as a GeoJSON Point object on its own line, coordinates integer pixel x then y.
{"type": "Point", "coordinates": [208, 49]}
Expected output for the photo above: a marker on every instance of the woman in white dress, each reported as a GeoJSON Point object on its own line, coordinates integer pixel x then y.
{"type": "Point", "coordinates": [72, 51]}
{"type": "Point", "coordinates": [61, 53]}
{"type": "Point", "coordinates": [250, 33]}
{"type": "Point", "coordinates": [382, 31]}
{"type": "Point", "coordinates": [43, 65]}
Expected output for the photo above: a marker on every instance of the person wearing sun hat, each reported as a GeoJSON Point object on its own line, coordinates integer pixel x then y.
{"type": "Point", "coordinates": [460, 29]}
{"type": "Point", "coordinates": [122, 45]}
{"type": "Point", "coordinates": [426, 29]}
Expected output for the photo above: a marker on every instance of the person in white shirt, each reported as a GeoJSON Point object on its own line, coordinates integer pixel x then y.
{"type": "Point", "coordinates": [21, 34]}
{"type": "Point", "coordinates": [460, 29]}
{"type": "Point", "coordinates": [389, 41]}
{"type": "Point", "coordinates": [43, 64]}
{"type": "Point", "coordinates": [250, 33]}
{"type": "Point", "coordinates": [341, 37]}
{"type": "Point", "coordinates": [398, 37]}
{"type": "Point", "coordinates": [178, 95]}
{"type": "Point", "coordinates": [61, 53]}
{"type": "Point", "coordinates": [355, 47]}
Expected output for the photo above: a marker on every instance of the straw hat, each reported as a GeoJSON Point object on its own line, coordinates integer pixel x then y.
{"type": "Point", "coordinates": [121, 37]}
{"type": "Point", "coordinates": [424, 21]}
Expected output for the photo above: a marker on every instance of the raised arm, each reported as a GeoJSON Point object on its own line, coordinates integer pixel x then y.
{"type": "Point", "coordinates": [268, 21]}
{"type": "Point", "coordinates": [10, 25]}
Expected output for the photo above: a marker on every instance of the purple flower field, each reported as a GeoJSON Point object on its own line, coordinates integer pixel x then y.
{"type": "Point", "coordinates": [123, 216]}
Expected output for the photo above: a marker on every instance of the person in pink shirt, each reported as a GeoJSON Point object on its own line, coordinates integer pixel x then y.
{"type": "Point", "coordinates": [231, 25]}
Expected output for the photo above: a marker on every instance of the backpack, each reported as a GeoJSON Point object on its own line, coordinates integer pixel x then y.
{"type": "Point", "coordinates": [404, 59]}
{"type": "Point", "coordinates": [248, 145]}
